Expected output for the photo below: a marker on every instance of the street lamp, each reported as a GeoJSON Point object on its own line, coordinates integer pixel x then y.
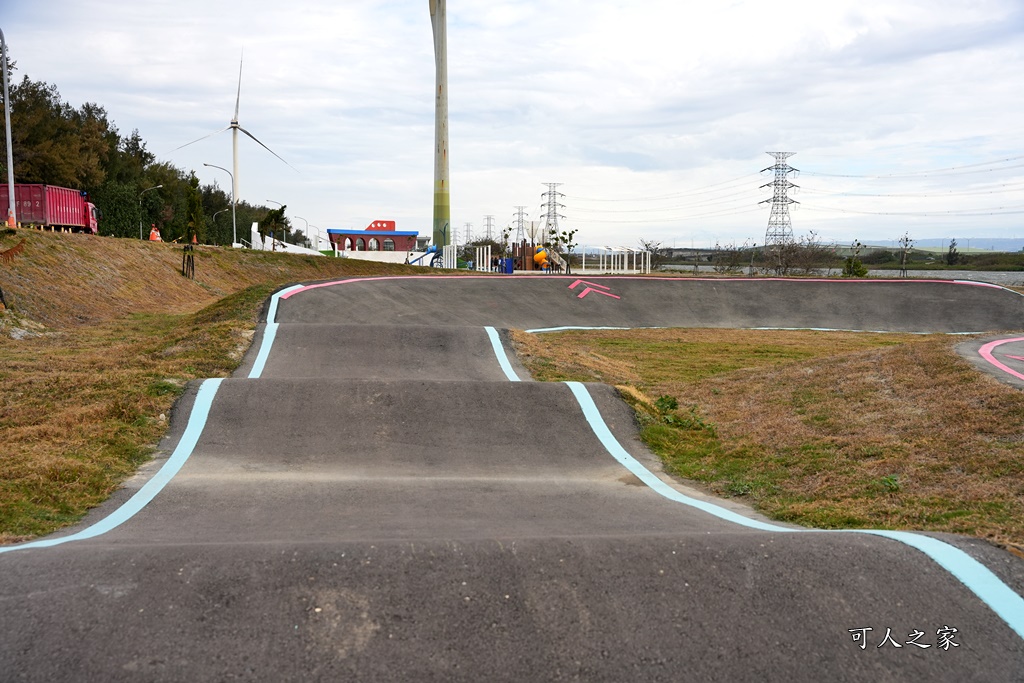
{"type": "Point", "coordinates": [234, 225]}
{"type": "Point", "coordinates": [317, 236]}
{"type": "Point", "coordinates": [155, 187]}
{"type": "Point", "coordinates": [214, 219]}
{"type": "Point", "coordinates": [307, 225]}
{"type": "Point", "coordinates": [283, 233]}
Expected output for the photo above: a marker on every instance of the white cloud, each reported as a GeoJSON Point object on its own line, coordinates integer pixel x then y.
{"type": "Point", "coordinates": [617, 100]}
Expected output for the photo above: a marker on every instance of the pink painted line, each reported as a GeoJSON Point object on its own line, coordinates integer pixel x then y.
{"type": "Point", "coordinates": [584, 282]}
{"type": "Point", "coordinates": [588, 290]}
{"type": "Point", "coordinates": [871, 281]}
{"type": "Point", "coordinates": [986, 353]}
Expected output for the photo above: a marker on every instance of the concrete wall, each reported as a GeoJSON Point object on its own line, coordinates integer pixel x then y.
{"type": "Point", "coordinates": [383, 256]}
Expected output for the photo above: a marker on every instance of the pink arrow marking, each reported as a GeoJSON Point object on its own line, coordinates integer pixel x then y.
{"type": "Point", "coordinates": [591, 288]}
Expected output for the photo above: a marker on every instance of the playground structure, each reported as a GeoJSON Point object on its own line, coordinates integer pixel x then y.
{"type": "Point", "coordinates": [445, 258]}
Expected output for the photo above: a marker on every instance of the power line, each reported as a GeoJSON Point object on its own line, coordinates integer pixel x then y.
{"type": "Point", "coordinates": [949, 170]}
{"type": "Point", "coordinates": [990, 211]}
{"type": "Point", "coordinates": [674, 195]}
{"type": "Point", "coordinates": [1005, 187]}
{"type": "Point", "coordinates": [724, 199]}
{"type": "Point", "coordinates": [713, 214]}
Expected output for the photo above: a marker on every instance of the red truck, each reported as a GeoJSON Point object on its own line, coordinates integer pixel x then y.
{"type": "Point", "coordinates": [50, 207]}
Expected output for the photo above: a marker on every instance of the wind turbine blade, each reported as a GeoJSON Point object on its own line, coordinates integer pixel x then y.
{"type": "Point", "coordinates": [238, 96]}
{"type": "Point", "coordinates": [267, 148]}
{"type": "Point", "coordinates": [216, 132]}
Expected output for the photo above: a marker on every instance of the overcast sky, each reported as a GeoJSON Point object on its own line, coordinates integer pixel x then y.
{"type": "Point", "coordinates": [655, 115]}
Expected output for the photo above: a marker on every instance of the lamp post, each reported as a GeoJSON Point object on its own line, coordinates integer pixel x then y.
{"type": "Point", "coordinates": [234, 225]}
{"type": "Point", "coordinates": [317, 237]}
{"type": "Point", "coordinates": [283, 233]}
{"type": "Point", "coordinates": [12, 219]}
{"type": "Point", "coordinates": [307, 225]}
{"type": "Point", "coordinates": [214, 219]}
{"type": "Point", "coordinates": [155, 187]}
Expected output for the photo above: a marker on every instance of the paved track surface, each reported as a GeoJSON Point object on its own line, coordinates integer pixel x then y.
{"type": "Point", "coordinates": [383, 503]}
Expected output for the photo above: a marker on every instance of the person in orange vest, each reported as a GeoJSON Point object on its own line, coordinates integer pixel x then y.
{"type": "Point", "coordinates": [154, 234]}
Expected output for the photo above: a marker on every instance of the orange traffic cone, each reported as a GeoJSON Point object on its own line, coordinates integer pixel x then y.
{"type": "Point", "coordinates": [154, 234]}
{"type": "Point", "coordinates": [194, 240]}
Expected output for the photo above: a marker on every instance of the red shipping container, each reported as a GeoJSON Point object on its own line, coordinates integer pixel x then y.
{"type": "Point", "coordinates": [50, 206]}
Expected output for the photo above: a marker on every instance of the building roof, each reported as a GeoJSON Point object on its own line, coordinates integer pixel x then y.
{"type": "Point", "coordinates": [372, 233]}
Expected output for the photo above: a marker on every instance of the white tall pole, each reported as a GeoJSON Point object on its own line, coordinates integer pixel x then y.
{"type": "Point", "coordinates": [442, 196]}
{"type": "Point", "coordinates": [234, 226]}
{"type": "Point", "coordinates": [12, 219]}
{"type": "Point", "coordinates": [234, 136]}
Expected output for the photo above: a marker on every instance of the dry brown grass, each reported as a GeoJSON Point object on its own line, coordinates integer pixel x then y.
{"type": "Point", "coordinates": [113, 334]}
{"type": "Point", "coordinates": [824, 429]}
{"type": "Point", "coordinates": [62, 280]}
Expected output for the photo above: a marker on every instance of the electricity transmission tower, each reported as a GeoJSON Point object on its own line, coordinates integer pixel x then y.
{"type": "Point", "coordinates": [489, 226]}
{"type": "Point", "coordinates": [552, 206]}
{"type": "Point", "coordinates": [468, 237]}
{"type": "Point", "coordinates": [521, 224]}
{"type": "Point", "coordinates": [780, 230]}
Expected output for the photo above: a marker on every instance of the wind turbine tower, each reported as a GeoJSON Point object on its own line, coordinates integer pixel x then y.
{"type": "Point", "coordinates": [442, 198]}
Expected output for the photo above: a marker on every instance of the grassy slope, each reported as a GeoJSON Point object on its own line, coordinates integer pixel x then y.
{"type": "Point", "coordinates": [824, 429]}
{"type": "Point", "coordinates": [115, 334]}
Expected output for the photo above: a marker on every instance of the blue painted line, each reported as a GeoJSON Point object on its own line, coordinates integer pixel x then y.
{"type": "Point", "coordinates": [269, 333]}
{"type": "Point", "coordinates": [196, 423]}
{"type": "Point", "coordinates": [616, 450]}
{"type": "Point", "coordinates": [978, 578]}
{"type": "Point", "coordinates": [499, 352]}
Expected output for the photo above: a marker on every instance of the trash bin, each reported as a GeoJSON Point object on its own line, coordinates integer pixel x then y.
{"type": "Point", "coordinates": [507, 266]}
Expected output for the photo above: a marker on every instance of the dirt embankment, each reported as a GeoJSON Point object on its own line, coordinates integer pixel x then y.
{"type": "Point", "coordinates": [64, 280]}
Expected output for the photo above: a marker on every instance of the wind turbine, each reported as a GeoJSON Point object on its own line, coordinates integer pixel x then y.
{"type": "Point", "coordinates": [234, 128]}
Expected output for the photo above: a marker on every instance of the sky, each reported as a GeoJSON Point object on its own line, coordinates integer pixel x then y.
{"type": "Point", "coordinates": [903, 117]}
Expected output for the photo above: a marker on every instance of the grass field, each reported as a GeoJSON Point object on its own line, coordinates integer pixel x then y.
{"type": "Point", "coordinates": [832, 430]}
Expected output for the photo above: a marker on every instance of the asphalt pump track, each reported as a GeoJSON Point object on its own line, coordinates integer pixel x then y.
{"type": "Point", "coordinates": [380, 493]}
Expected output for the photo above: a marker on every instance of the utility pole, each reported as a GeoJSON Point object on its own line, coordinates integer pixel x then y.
{"type": "Point", "coordinates": [552, 206]}
{"type": "Point", "coordinates": [780, 231]}
{"type": "Point", "coordinates": [12, 218]}
{"type": "Point", "coordinates": [521, 224]}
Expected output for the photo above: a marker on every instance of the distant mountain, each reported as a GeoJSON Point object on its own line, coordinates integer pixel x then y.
{"type": "Point", "coordinates": [963, 244]}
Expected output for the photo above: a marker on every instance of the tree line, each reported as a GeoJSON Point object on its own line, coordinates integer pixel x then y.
{"type": "Point", "coordinates": [54, 143]}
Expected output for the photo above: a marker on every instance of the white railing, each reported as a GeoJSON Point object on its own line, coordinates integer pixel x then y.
{"type": "Point", "coordinates": [483, 259]}
{"type": "Point", "coordinates": [623, 260]}
{"type": "Point", "coordinates": [449, 256]}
